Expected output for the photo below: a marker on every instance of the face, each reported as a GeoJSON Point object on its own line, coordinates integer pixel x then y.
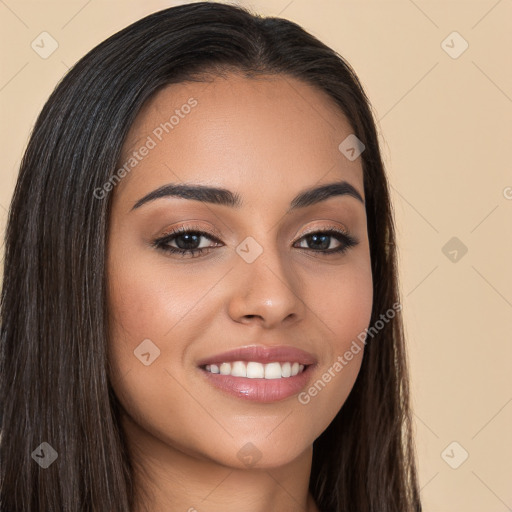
{"type": "Point", "coordinates": [284, 281]}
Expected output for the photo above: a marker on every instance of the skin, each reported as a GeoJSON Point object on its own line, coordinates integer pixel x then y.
{"type": "Point", "coordinates": [267, 139]}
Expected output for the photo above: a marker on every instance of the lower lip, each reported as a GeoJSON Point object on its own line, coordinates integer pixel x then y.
{"type": "Point", "coordinates": [260, 390]}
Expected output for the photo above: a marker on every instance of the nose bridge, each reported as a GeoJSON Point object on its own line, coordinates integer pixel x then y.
{"type": "Point", "coordinates": [265, 284]}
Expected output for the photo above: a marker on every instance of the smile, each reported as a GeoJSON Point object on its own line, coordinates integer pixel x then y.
{"type": "Point", "coordinates": [256, 370]}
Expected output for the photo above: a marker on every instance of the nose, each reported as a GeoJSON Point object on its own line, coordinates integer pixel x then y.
{"type": "Point", "coordinates": [266, 292]}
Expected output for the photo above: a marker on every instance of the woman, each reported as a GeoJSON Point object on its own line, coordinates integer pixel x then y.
{"type": "Point", "coordinates": [200, 308]}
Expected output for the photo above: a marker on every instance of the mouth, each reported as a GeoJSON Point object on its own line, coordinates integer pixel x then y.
{"type": "Point", "coordinates": [262, 374]}
{"type": "Point", "coordinates": [256, 370]}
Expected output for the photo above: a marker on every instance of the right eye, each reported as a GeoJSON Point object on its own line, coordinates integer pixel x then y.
{"type": "Point", "coordinates": [187, 241]}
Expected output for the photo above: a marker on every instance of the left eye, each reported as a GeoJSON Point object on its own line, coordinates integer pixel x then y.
{"type": "Point", "coordinates": [322, 239]}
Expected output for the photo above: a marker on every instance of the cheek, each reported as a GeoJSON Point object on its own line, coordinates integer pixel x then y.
{"type": "Point", "coordinates": [149, 316]}
{"type": "Point", "coordinates": [146, 312]}
{"type": "Point", "coordinates": [343, 301]}
{"type": "Point", "coordinates": [148, 299]}
{"type": "Point", "coordinates": [350, 309]}
{"type": "Point", "coordinates": [344, 305]}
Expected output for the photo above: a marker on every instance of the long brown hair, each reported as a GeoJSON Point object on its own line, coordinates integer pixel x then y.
{"type": "Point", "coordinates": [54, 333]}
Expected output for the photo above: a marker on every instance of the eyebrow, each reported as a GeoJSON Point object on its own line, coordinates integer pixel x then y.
{"type": "Point", "coordinates": [224, 197]}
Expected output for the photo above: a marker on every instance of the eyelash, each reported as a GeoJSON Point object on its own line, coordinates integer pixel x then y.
{"type": "Point", "coordinates": [347, 240]}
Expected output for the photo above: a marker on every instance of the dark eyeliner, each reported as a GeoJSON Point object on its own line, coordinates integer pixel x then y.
{"type": "Point", "coordinates": [162, 242]}
{"type": "Point", "coordinates": [347, 241]}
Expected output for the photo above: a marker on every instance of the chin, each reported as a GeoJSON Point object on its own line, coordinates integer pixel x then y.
{"type": "Point", "coordinates": [260, 453]}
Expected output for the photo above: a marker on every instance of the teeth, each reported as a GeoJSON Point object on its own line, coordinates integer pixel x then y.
{"type": "Point", "coordinates": [273, 371]}
{"type": "Point", "coordinates": [253, 370]}
{"type": "Point", "coordinates": [238, 369]}
{"type": "Point", "coordinates": [225, 369]}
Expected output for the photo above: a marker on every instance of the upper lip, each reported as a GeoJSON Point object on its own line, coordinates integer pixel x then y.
{"type": "Point", "coordinates": [262, 354]}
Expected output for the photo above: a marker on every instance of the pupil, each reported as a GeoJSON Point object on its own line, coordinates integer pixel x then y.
{"type": "Point", "coordinates": [324, 244]}
{"type": "Point", "coordinates": [190, 239]}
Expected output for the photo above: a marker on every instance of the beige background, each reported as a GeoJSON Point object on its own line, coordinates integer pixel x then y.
{"type": "Point", "coordinates": [445, 126]}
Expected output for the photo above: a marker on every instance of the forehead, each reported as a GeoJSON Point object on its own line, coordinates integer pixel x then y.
{"type": "Point", "coordinates": [241, 133]}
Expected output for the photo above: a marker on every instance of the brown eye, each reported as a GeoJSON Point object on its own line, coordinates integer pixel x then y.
{"type": "Point", "coordinates": [320, 241]}
{"type": "Point", "coordinates": [187, 241]}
